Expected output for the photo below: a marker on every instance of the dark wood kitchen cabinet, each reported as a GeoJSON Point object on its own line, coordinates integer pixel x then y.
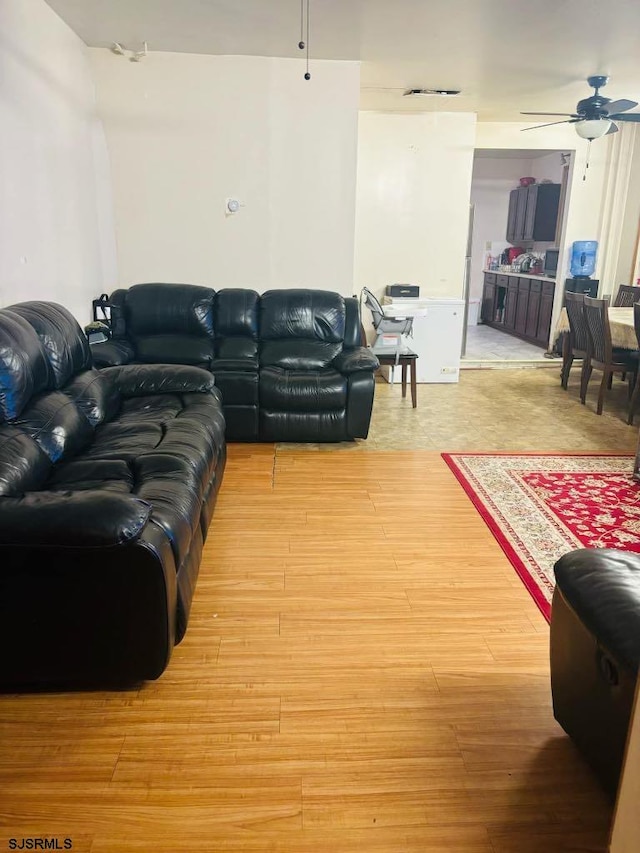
{"type": "Point", "coordinates": [543, 201]}
{"type": "Point", "coordinates": [546, 310]}
{"type": "Point", "coordinates": [522, 306]}
{"type": "Point", "coordinates": [511, 302]}
{"type": "Point", "coordinates": [488, 308]}
{"type": "Point", "coordinates": [511, 216]}
{"type": "Point", "coordinates": [533, 213]}
{"type": "Point", "coordinates": [519, 305]}
{"type": "Point", "coordinates": [533, 309]}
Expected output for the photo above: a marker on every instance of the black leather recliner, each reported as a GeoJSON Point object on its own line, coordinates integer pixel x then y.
{"type": "Point", "coordinates": [595, 653]}
{"type": "Point", "coordinates": [108, 480]}
{"type": "Point", "coordinates": [289, 363]}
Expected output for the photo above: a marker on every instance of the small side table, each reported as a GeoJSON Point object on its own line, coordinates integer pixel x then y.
{"type": "Point", "coordinates": [405, 359]}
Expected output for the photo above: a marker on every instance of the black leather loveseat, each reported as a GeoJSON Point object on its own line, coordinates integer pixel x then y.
{"type": "Point", "coordinates": [108, 480]}
{"type": "Point", "coordinates": [289, 363]}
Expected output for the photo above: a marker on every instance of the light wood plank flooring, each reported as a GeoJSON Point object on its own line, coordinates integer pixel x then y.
{"type": "Point", "coordinates": [363, 671]}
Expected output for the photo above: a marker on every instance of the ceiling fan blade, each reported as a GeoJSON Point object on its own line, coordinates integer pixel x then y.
{"type": "Point", "coordinates": [550, 124]}
{"type": "Point", "coordinates": [612, 129]}
{"type": "Point", "coordinates": [572, 115]}
{"type": "Point", "coordinates": [620, 106]}
{"type": "Point", "coordinates": [625, 117]}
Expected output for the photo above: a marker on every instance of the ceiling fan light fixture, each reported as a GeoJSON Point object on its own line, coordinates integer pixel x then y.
{"type": "Point", "coordinates": [593, 128]}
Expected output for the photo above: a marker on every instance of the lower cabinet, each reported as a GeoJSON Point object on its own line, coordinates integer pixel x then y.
{"type": "Point", "coordinates": [546, 310]}
{"type": "Point", "coordinates": [511, 303]}
{"type": "Point", "coordinates": [519, 305]}
{"type": "Point", "coordinates": [487, 311]}
{"type": "Point", "coordinates": [533, 310]}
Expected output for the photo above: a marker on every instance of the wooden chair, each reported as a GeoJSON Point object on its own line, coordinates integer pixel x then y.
{"type": "Point", "coordinates": [627, 295]}
{"type": "Point", "coordinates": [600, 353]}
{"type": "Point", "coordinates": [576, 341]}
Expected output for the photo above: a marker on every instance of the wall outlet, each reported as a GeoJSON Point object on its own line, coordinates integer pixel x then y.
{"type": "Point", "coordinates": [448, 370]}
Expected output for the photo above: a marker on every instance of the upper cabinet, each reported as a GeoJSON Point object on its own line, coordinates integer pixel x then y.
{"type": "Point", "coordinates": [533, 213]}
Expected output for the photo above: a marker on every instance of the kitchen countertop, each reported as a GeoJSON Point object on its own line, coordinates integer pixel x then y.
{"type": "Point", "coordinates": [522, 274]}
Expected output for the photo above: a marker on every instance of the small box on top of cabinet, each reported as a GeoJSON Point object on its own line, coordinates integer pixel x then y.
{"type": "Point", "coordinates": [400, 290]}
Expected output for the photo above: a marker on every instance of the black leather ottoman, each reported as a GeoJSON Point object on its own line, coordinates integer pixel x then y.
{"type": "Point", "coordinates": [595, 653]}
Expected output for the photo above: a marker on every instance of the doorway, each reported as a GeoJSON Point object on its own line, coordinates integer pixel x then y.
{"type": "Point", "coordinates": [510, 289]}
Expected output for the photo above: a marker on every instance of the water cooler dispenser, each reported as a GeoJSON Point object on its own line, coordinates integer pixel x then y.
{"type": "Point", "coordinates": [583, 265]}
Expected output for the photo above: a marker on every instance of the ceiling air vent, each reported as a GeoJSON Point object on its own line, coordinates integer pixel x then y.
{"type": "Point", "coordinates": [430, 93]}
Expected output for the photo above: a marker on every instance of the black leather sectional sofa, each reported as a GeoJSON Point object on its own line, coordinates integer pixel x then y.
{"type": "Point", "coordinates": [108, 481]}
{"type": "Point", "coordinates": [288, 364]}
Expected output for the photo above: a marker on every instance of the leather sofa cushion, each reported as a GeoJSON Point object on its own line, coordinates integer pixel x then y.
{"type": "Point", "coordinates": [84, 474]}
{"type": "Point", "coordinates": [173, 309]}
{"type": "Point", "coordinates": [314, 314]}
{"type": "Point", "coordinates": [56, 424]}
{"type": "Point", "coordinates": [238, 388]}
{"type": "Point", "coordinates": [236, 354]}
{"type": "Point", "coordinates": [303, 426]}
{"type": "Point", "coordinates": [298, 355]}
{"type": "Point", "coordinates": [24, 370]}
{"type": "Point", "coordinates": [95, 396]}
{"type": "Point", "coordinates": [124, 440]}
{"type": "Point", "coordinates": [174, 349]}
{"type": "Point", "coordinates": [65, 345]}
{"type": "Point", "coordinates": [24, 466]}
{"type": "Point", "coordinates": [237, 313]}
{"type": "Point", "coordinates": [293, 391]}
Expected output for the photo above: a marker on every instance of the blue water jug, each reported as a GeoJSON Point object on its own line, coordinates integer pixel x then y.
{"type": "Point", "coordinates": [583, 258]}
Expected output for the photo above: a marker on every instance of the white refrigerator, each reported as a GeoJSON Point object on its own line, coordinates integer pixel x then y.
{"type": "Point", "coordinates": [437, 335]}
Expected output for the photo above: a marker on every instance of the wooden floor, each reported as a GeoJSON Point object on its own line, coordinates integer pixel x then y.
{"type": "Point", "coordinates": [363, 671]}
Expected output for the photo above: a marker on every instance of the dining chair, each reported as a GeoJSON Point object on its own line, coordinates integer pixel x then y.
{"type": "Point", "coordinates": [627, 295]}
{"type": "Point", "coordinates": [601, 354]}
{"type": "Point", "coordinates": [576, 341]}
{"type": "Point", "coordinates": [636, 388]}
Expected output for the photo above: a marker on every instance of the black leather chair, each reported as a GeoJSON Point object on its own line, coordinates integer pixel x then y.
{"type": "Point", "coordinates": [595, 653]}
{"type": "Point", "coordinates": [108, 480]}
{"type": "Point", "coordinates": [289, 364]}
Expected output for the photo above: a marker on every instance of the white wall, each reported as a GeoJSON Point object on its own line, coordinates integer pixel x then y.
{"type": "Point", "coordinates": [185, 132]}
{"type": "Point", "coordinates": [56, 238]}
{"type": "Point", "coordinates": [412, 203]}
{"type": "Point", "coordinates": [625, 835]}
{"type": "Point", "coordinates": [492, 181]}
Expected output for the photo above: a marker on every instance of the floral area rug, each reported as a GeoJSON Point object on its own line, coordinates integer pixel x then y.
{"type": "Point", "coordinates": [541, 506]}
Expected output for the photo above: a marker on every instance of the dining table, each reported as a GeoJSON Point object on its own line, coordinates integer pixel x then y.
{"type": "Point", "coordinates": [623, 333]}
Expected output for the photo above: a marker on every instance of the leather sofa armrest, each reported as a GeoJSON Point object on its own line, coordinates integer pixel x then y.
{"type": "Point", "coordinates": [353, 360]}
{"type": "Point", "coordinates": [112, 353]}
{"type": "Point", "coordinates": [94, 519]}
{"type": "Point", "coordinates": [138, 380]}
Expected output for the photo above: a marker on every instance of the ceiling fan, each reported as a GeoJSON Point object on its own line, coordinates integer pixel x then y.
{"type": "Point", "coordinates": [594, 116]}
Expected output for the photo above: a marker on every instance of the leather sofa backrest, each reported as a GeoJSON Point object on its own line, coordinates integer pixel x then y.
{"type": "Point", "coordinates": [24, 369]}
{"type": "Point", "coordinates": [236, 325]}
{"type": "Point", "coordinates": [171, 323]}
{"type": "Point", "coordinates": [51, 398]}
{"type": "Point", "coordinates": [65, 345]}
{"type": "Point", "coordinates": [301, 329]}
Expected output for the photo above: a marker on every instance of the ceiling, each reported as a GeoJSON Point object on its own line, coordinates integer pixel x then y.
{"type": "Point", "coordinates": [505, 55]}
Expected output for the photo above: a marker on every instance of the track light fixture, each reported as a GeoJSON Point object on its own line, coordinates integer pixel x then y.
{"type": "Point", "coordinates": [134, 55]}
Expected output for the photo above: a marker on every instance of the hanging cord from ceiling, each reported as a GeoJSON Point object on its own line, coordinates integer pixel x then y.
{"type": "Point", "coordinates": [303, 44]}
{"type": "Point", "coordinates": [586, 165]}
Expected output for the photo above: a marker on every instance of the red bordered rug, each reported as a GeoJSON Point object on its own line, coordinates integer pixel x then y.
{"type": "Point", "coordinates": [540, 506]}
